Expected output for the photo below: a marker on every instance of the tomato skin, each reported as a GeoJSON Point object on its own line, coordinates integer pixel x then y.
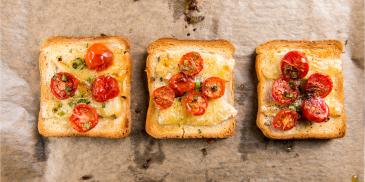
{"type": "Point", "coordinates": [319, 84]}
{"type": "Point", "coordinates": [195, 103]}
{"type": "Point", "coordinates": [163, 97]}
{"type": "Point", "coordinates": [104, 88]}
{"type": "Point", "coordinates": [98, 57]}
{"type": "Point", "coordinates": [181, 84]}
{"type": "Point", "coordinates": [285, 120]}
{"type": "Point", "coordinates": [315, 109]}
{"type": "Point", "coordinates": [213, 87]}
{"type": "Point", "coordinates": [83, 118]}
{"type": "Point", "coordinates": [283, 93]}
{"type": "Point", "coordinates": [294, 65]}
{"type": "Point", "coordinates": [63, 85]}
{"type": "Point", "coordinates": [191, 63]}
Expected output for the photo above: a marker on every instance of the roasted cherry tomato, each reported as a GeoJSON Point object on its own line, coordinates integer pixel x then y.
{"type": "Point", "coordinates": [213, 87]}
{"type": "Point", "coordinates": [83, 118]}
{"type": "Point", "coordinates": [191, 63]}
{"type": "Point", "coordinates": [283, 93]}
{"type": "Point", "coordinates": [181, 84]}
{"type": "Point", "coordinates": [319, 84]}
{"type": "Point", "coordinates": [104, 88]}
{"type": "Point", "coordinates": [285, 119]}
{"type": "Point", "coordinates": [163, 97]}
{"type": "Point", "coordinates": [63, 85]}
{"type": "Point", "coordinates": [98, 57]}
{"type": "Point", "coordinates": [315, 109]}
{"type": "Point", "coordinates": [195, 103]}
{"type": "Point", "coordinates": [294, 65]}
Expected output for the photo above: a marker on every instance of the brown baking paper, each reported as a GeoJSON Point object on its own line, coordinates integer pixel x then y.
{"type": "Point", "coordinates": [247, 156]}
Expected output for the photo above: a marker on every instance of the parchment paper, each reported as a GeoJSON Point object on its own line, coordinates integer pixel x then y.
{"type": "Point", "coordinates": [247, 156]}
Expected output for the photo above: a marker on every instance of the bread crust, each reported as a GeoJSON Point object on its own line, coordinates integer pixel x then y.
{"type": "Point", "coordinates": [156, 130]}
{"type": "Point", "coordinates": [125, 127]}
{"type": "Point", "coordinates": [334, 48]}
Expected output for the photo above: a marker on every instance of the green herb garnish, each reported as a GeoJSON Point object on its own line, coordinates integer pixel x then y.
{"type": "Point", "coordinates": [103, 105]}
{"type": "Point", "coordinates": [61, 113]}
{"type": "Point", "coordinates": [87, 125]}
{"type": "Point", "coordinates": [64, 78]}
{"type": "Point", "coordinates": [85, 101]}
{"type": "Point", "coordinates": [199, 131]}
{"type": "Point", "coordinates": [78, 63]}
{"type": "Point", "coordinates": [198, 85]}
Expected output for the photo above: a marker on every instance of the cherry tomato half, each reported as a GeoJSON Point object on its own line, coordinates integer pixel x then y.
{"type": "Point", "coordinates": [63, 85]}
{"type": "Point", "coordinates": [181, 84]}
{"type": "Point", "coordinates": [104, 88]}
{"type": "Point", "coordinates": [285, 119]}
{"type": "Point", "coordinates": [283, 93]}
{"type": "Point", "coordinates": [163, 97]}
{"type": "Point", "coordinates": [83, 118]}
{"type": "Point", "coordinates": [319, 85]}
{"type": "Point", "coordinates": [213, 87]}
{"type": "Point", "coordinates": [195, 103]}
{"type": "Point", "coordinates": [191, 63]}
{"type": "Point", "coordinates": [294, 65]}
{"type": "Point", "coordinates": [315, 109]}
{"type": "Point", "coordinates": [98, 57]}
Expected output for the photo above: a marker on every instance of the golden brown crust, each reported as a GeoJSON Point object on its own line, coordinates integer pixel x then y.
{"type": "Point", "coordinates": [156, 130]}
{"type": "Point", "coordinates": [324, 49]}
{"type": "Point", "coordinates": [125, 127]}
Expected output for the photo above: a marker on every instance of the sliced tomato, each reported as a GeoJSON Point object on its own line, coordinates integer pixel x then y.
{"type": "Point", "coordinates": [285, 119]}
{"type": "Point", "coordinates": [319, 84]}
{"type": "Point", "coordinates": [213, 87]}
{"type": "Point", "coordinates": [98, 57]}
{"type": "Point", "coordinates": [294, 65]}
{"type": "Point", "coordinates": [83, 118]}
{"type": "Point", "coordinates": [191, 63]}
{"type": "Point", "coordinates": [63, 85]}
{"type": "Point", "coordinates": [283, 93]}
{"type": "Point", "coordinates": [195, 103]}
{"type": "Point", "coordinates": [181, 84]}
{"type": "Point", "coordinates": [315, 109]}
{"type": "Point", "coordinates": [104, 88]}
{"type": "Point", "coordinates": [163, 97]}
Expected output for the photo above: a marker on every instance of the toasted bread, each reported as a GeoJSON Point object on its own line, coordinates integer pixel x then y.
{"type": "Point", "coordinates": [323, 56]}
{"type": "Point", "coordinates": [162, 62]}
{"type": "Point", "coordinates": [57, 54]}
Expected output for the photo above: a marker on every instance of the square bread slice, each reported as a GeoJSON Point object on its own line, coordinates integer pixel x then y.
{"type": "Point", "coordinates": [175, 122]}
{"type": "Point", "coordinates": [324, 57]}
{"type": "Point", "coordinates": [66, 54]}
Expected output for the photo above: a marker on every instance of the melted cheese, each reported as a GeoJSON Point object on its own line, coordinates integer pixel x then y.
{"type": "Point", "coordinates": [218, 110]}
{"type": "Point", "coordinates": [62, 109]}
{"type": "Point", "coordinates": [270, 68]}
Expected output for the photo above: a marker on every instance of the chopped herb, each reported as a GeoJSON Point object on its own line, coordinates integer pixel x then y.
{"type": "Point", "coordinates": [78, 63]}
{"type": "Point", "coordinates": [64, 78]}
{"type": "Point", "coordinates": [87, 125]}
{"type": "Point", "coordinates": [103, 105]}
{"type": "Point", "coordinates": [71, 104]}
{"type": "Point", "coordinates": [68, 89]}
{"type": "Point", "coordinates": [197, 85]}
{"type": "Point", "coordinates": [83, 101]}
{"type": "Point", "coordinates": [57, 107]}
{"type": "Point", "coordinates": [87, 45]}
{"type": "Point", "coordinates": [186, 62]}
{"type": "Point", "coordinates": [61, 113]}
{"type": "Point", "coordinates": [292, 83]}
{"type": "Point", "coordinates": [195, 98]}
{"type": "Point", "coordinates": [292, 107]}
{"type": "Point", "coordinates": [199, 131]}
{"type": "Point", "coordinates": [89, 79]}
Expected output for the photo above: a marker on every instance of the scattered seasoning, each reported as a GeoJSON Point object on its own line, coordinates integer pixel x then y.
{"type": "Point", "coordinates": [197, 85]}
{"type": "Point", "coordinates": [87, 125]}
{"type": "Point", "coordinates": [86, 177]}
{"type": "Point", "coordinates": [59, 58]}
{"type": "Point", "coordinates": [57, 107]}
{"type": "Point", "coordinates": [87, 45]}
{"type": "Point", "coordinates": [123, 97]}
{"type": "Point", "coordinates": [204, 151]}
{"type": "Point", "coordinates": [199, 131]}
{"type": "Point", "coordinates": [214, 88]}
{"type": "Point", "coordinates": [103, 35]}
{"type": "Point", "coordinates": [68, 89]}
{"type": "Point", "coordinates": [153, 79]}
{"type": "Point", "coordinates": [158, 59]}
{"type": "Point", "coordinates": [103, 105]}
{"type": "Point", "coordinates": [194, 29]}
{"type": "Point", "coordinates": [78, 63]}
{"type": "Point", "coordinates": [188, 34]}
{"type": "Point", "coordinates": [89, 79]}
{"type": "Point", "coordinates": [186, 62]}
{"type": "Point", "coordinates": [161, 79]}
{"type": "Point", "coordinates": [113, 116]}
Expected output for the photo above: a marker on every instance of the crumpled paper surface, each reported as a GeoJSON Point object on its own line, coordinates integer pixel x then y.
{"type": "Point", "coordinates": [247, 156]}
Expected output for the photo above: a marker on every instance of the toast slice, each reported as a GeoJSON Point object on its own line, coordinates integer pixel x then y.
{"type": "Point", "coordinates": [324, 57]}
{"type": "Point", "coordinates": [175, 122]}
{"type": "Point", "coordinates": [66, 54]}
